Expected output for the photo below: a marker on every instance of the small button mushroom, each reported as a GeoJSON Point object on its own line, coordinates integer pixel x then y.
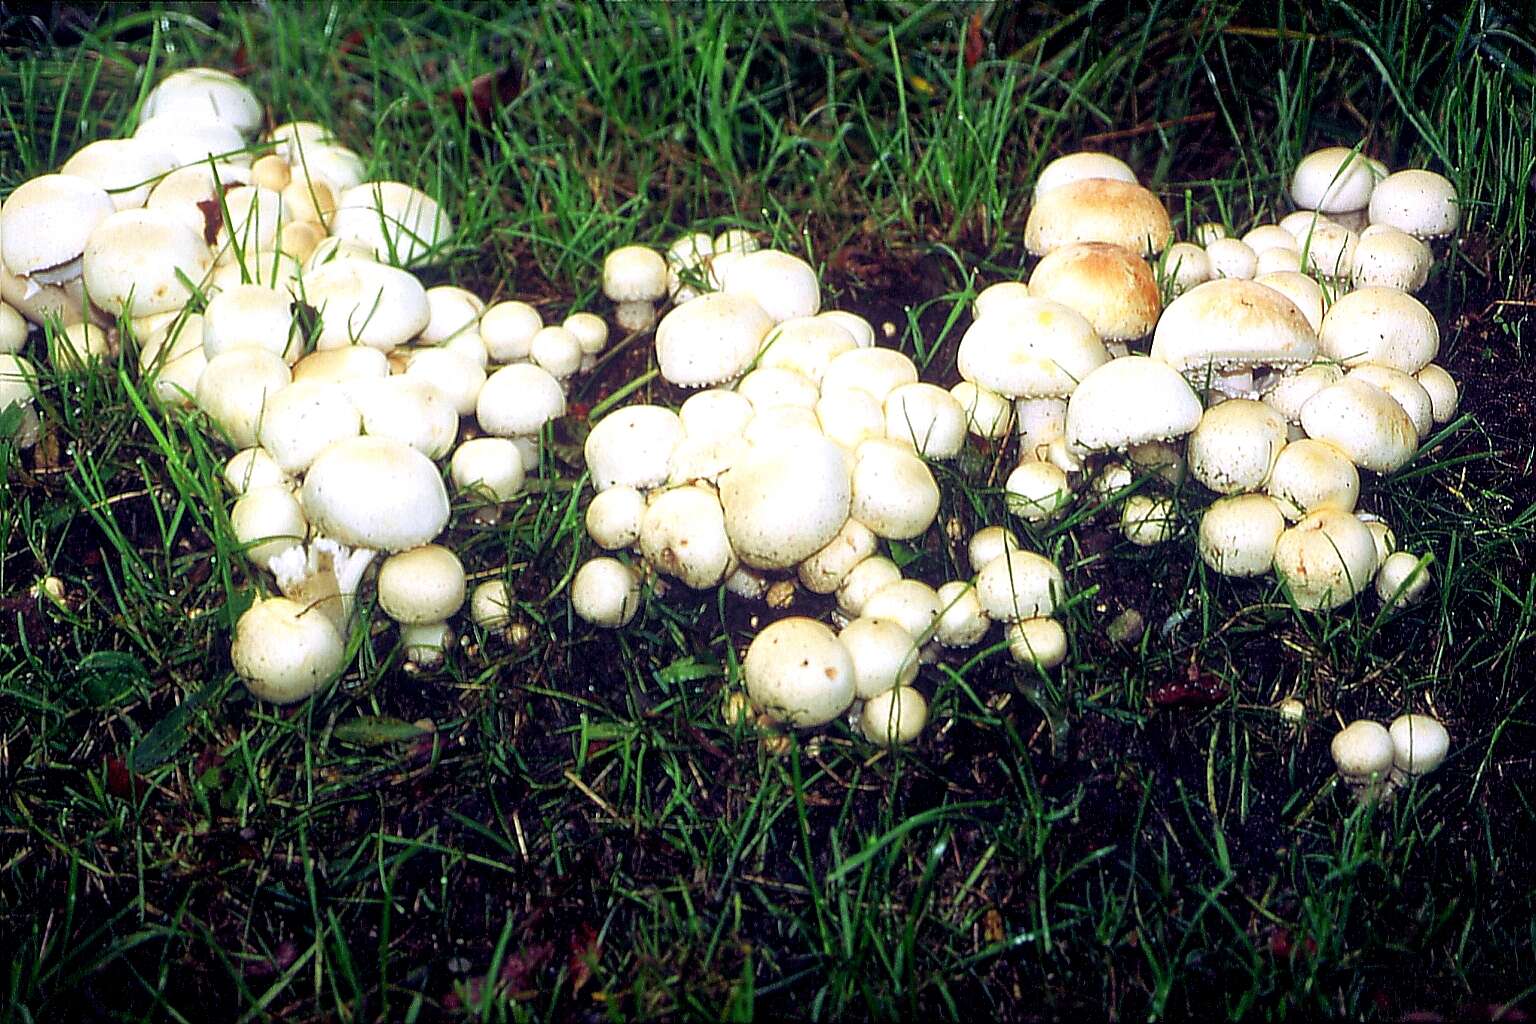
{"type": "Point", "coordinates": [824, 572]}
{"type": "Point", "coordinates": [883, 653]}
{"type": "Point", "coordinates": [491, 469]}
{"type": "Point", "coordinates": [606, 593]}
{"type": "Point", "coordinates": [490, 605]}
{"type": "Point", "coordinates": [1238, 534]}
{"type": "Point", "coordinates": [963, 622]}
{"type": "Point", "coordinates": [1019, 585]}
{"type": "Point", "coordinates": [863, 582]}
{"type": "Point", "coordinates": [1402, 579]}
{"type": "Point", "coordinates": [1232, 259]}
{"type": "Point", "coordinates": [1419, 202]}
{"type": "Point", "coordinates": [1081, 165]}
{"type": "Point", "coordinates": [783, 285]}
{"type": "Point", "coordinates": [784, 502]}
{"type": "Point", "coordinates": [683, 535]}
{"type": "Point", "coordinates": [285, 651]}
{"type": "Point", "coordinates": [507, 328]}
{"type": "Point", "coordinates": [517, 401]}
{"type": "Point", "coordinates": [1444, 395]}
{"type": "Point", "coordinates": [633, 447]}
{"type": "Point", "coordinates": [423, 585]}
{"type": "Point", "coordinates": [1336, 179]}
{"type": "Point", "coordinates": [894, 718]}
{"type": "Point", "coordinates": [556, 350]}
{"type": "Point", "coordinates": [989, 542]}
{"type": "Point", "coordinates": [401, 224]}
{"type": "Point", "coordinates": [1098, 210]}
{"type": "Point", "coordinates": [912, 603]}
{"type": "Point", "coordinates": [1040, 641]}
{"type": "Point", "coordinates": [269, 521]}
{"type": "Point", "coordinates": [1382, 326]}
{"type": "Point", "coordinates": [1148, 520]}
{"type": "Point", "coordinates": [1037, 491]}
{"type": "Point", "coordinates": [1419, 746]}
{"type": "Point", "coordinates": [1363, 753]}
{"type": "Point", "coordinates": [1311, 475]}
{"type": "Point", "coordinates": [634, 277]}
{"type": "Point", "coordinates": [1326, 559]}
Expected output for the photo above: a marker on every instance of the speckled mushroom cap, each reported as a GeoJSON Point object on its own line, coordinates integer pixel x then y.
{"type": "Point", "coordinates": [632, 447]}
{"type": "Point", "coordinates": [1310, 474]}
{"type": "Point", "coordinates": [1364, 423]}
{"type": "Point", "coordinates": [205, 94]}
{"type": "Point", "coordinates": [1229, 323]}
{"type": "Point", "coordinates": [285, 651]}
{"type": "Point", "coordinates": [374, 492]}
{"type": "Point", "coordinates": [518, 400]}
{"type": "Point", "coordinates": [1130, 401]}
{"type": "Point", "coordinates": [361, 302]}
{"type": "Point", "coordinates": [1325, 559]}
{"type": "Point", "coordinates": [1419, 202]}
{"type": "Point", "coordinates": [711, 339]}
{"type": "Point", "coordinates": [1235, 445]}
{"type": "Point", "coordinates": [798, 672]}
{"type": "Point", "coordinates": [1335, 180]}
{"type": "Point", "coordinates": [1098, 210]}
{"type": "Point", "coordinates": [682, 535]}
{"type": "Point", "coordinates": [892, 490]}
{"type": "Point", "coordinates": [1238, 534]}
{"type": "Point", "coordinates": [45, 223]}
{"type": "Point", "coordinates": [140, 261]}
{"type": "Point", "coordinates": [1077, 166]}
{"type": "Point", "coordinates": [1389, 258]}
{"type": "Point", "coordinates": [1380, 325]}
{"type": "Point", "coordinates": [785, 501]}
{"type": "Point", "coordinates": [1037, 349]}
{"type": "Point", "coordinates": [1109, 285]}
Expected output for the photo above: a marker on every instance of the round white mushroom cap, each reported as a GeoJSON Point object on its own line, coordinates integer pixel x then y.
{"type": "Point", "coordinates": [1019, 585]}
{"type": "Point", "coordinates": [988, 543]}
{"type": "Point", "coordinates": [518, 400]}
{"type": "Point", "coordinates": [633, 446]}
{"type": "Point", "coordinates": [1036, 349]}
{"type": "Point", "coordinates": [1040, 641]}
{"type": "Point", "coordinates": [490, 605]}
{"type": "Point", "coordinates": [423, 585]}
{"type": "Point", "coordinates": [1326, 559]}
{"type": "Point", "coordinates": [125, 168]}
{"type": "Point", "coordinates": [507, 328]}
{"type": "Point", "coordinates": [824, 572]}
{"type": "Point", "coordinates": [614, 516]}
{"type": "Point", "coordinates": [1148, 520]}
{"type": "Point", "coordinates": [926, 417]}
{"type": "Point", "coordinates": [878, 371]}
{"type": "Point", "coordinates": [1231, 259]}
{"type": "Point", "coordinates": [1335, 180]}
{"type": "Point", "coordinates": [1402, 579]}
{"type": "Point", "coordinates": [606, 592]}
{"type": "Point", "coordinates": [1235, 445]}
{"type": "Point", "coordinates": [361, 302]}
{"type": "Point", "coordinates": [1037, 491]}
{"type": "Point", "coordinates": [805, 344]}
{"type": "Point", "coordinates": [863, 581]}
{"type": "Point", "coordinates": [1363, 753]}
{"type": "Point", "coordinates": [1311, 474]}
{"type": "Point", "coordinates": [491, 467]}
{"type": "Point", "coordinates": [894, 718]}
{"type": "Point", "coordinates": [711, 340]}
{"type": "Point", "coordinates": [1238, 534]}
{"type": "Point", "coordinates": [1230, 324]}
{"type": "Point", "coordinates": [1364, 423]}
{"type": "Point", "coordinates": [46, 223]}
{"type": "Point", "coordinates": [1444, 394]}
{"type": "Point", "coordinates": [198, 95]}
{"type": "Point", "coordinates": [893, 491]}
{"type": "Point", "coordinates": [1078, 166]}
{"type": "Point", "coordinates": [798, 672]}
{"type": "Point", "coordinates": [285, 651]}
{"type": "Point", "coordinates": [407, 409]}
{"type": "Point", "coordinates": [783, 285]}
{"type": "Point", "coordinates": [1402, 388]}
{"type": "Point", "coordinates": [268, 521]}
{"type": "Point", "coordinates": [1128, 401]}
{"type": "Point", "coordinates": [1419, 202]}
{"type": "Point", "coordinates": [1380, 325]}
{"type": "Point", "coordinates": [883, 653]}
{"type": "Point", "coordinates": [143, 261]}
{"type": "Point", "coordinates": [400, 224]}
{"type": "Point", "coordinates": [1419, 744]}
{"type": "Point", "coordinates": [234, 389]}
{"type": "Point", "coordinates": [784, 502]}
{"type": "Point", "coordinates": [302, 419]}
{"type": "Point", "coordinates": [634, 273]}
{"type": "Point", "coordinates": [1389, 258]}
{"type": "Point", "coordinates": [1111, 286]}
{"type": "Point", "coordinates": [912, 603]}
{"type": "Point", "coordinates": [1303, 291]}
{"type": "Point", "coordinates": [682, 534]}
{"type": "Point", "coordinates": [252, 316]}
{"type": "Point", "coordinates": [963, 622]}
{"type": "Point", "coordinates": [1182, 266]}
{"type": "Point", "coordinates": [373, 492]}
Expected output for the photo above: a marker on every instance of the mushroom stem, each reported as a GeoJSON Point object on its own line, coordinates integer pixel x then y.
{"type": "Point", "coordinates": [324, 577]}
{"type": "Point", "coordinates": [1041, 421]}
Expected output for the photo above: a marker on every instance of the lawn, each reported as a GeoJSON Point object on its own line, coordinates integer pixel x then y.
{"type": "Point", "coordinates": [559, 824]}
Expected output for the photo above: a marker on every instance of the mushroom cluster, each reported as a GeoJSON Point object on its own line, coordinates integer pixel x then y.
{"type": "Point", "coordinates": [802, 447]}
{"type": "Point", "coordinates": [1375, 760]}
{"type": "Point", "coordinates": [264, 283]}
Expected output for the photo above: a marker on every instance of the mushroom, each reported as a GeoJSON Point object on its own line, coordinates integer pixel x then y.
{"type": "Point", "coordinates": [1234, 446]}
{"type": "Point", "coordinates": [1238, 534]}
{"type": "Point", "coordinates": [1326, 559]}
{"type": "Point", "coordinates": [711, 340]}
{"type": "Point", "coordinates": [285, 651]}
{"type": "Point", "coordinates": [783, 285]}
{"type": "Point", "coordinates": [1040, 641]}
{"type": "Point", "coordinates": [1217, 333]}
{"type": "Point", "coordinates": [798, 672]}
{"type": "Point", "coordinates": [1335, 180]}
{"type": "Point", "coordinates": [400, 224]}
{"type": "Point", "coordinates": [784, 502]}
{"type": "Point", "coordinates": [1419, 746]}
{"type": "Point", "coordinates": [45, 225]}
{"type": "Point", "coordinates": [1098, 210]}
{"type": "Point", "coordinates": [1081, 165]}
{"type": "Point", "coordinates": [1019, 585]}
{"type": "Point", "coordinates": [614, 516]}
{"type": "Point", "coordinates": [606, 592]}
{"type": "Point", "coordinates": [420, 589]}
{"type": "Point", "coordinates": [1130, 401]}
{"type": "Point", "coordinates": [1419, 202]}
{"type": "Point", "coordinates": [632, 447]}
{"type": "Point", "coordinates": [1363, 753]}
{"type": "Point", "coordinates": [895, 717]}
{"type": "Point", "coordinates": [1109, 285]}
{"type": "Point", "coordinates": [883, 653]}
{"type": "Point", "coordinates": [682, 534]}
{"type": "Point", "coordinates": [1382, 326]}
{"type": "Point", "coordinates": [635, 278]}
{"type": "Point", "coordinates": [1402, 579]}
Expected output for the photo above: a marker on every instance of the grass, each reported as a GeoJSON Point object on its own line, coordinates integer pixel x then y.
{"type": "Point", "coordinates": [560, 825]}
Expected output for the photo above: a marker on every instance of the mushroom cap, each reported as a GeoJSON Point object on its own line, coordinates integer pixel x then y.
{"type": "Point", "coordinates": [234, 388]}
{"type": "Point", "coordinates": [302, 419]}
{"type": "Point", "coordinates": [883, 653]}
{"type": "Point", "coordinates": [1227, 324]}
{"type": "Point", "coordinates": [1364, 422]}
{"type": "Point", "coordinates": [1380, 325]}
{"type": "Point", "coordinates": [998, 298]}
{"type": "Point", "coordinates": [490, 605]}
{"type": "Point", "coordinates": [989, 542]}
{"type": "Point", "coordinates": [46, 222]}
{"type": "Point", "coordinates": [458, 377]}
{"type": "Point", "coordinates": [927, 418]}
{"type": "Point", "coordinates": [1231, 258]}
{"type": "Point", "coordinates": [1235, 444]}
{"type": "Point", "coordinates": [614, 516]}
{"type": "Point", "coordinates": [1277, 260]}
{"type": "Point", "coordinates": [140, 261]}
{"type": "Point", "coordinates": [1361, 750]}
{"type": "Point", "coordinates": [361, 302]}
{"type": "Point", "coordinates": [518, 400]}
{"type": "Point", "coordinates": [1110, 286]}
{"type": "Point", "coordinates": [850, 416]}
{"type": "Point", "coordinates": [1238, 534]}
{"type": "Point", "coordinates": [1129, 401]}
{"type": "Point", "coordinates": [784, 502]}
{"type": "Point", "coordinates": [605, 592]}
{"type": "Point", "coordinates": [963, 621]}
{"type": "Point", "coordinates": [1038, 348]}
{"type": "Point", "coordinates": [1148, 520]}
{"type": "Point", "coordinates": [806, 345]}
{"type": "Point", "coordinates": [400, 224]}
{"type": "Point", "coordinates": [335, 167]}
{"type": "Point", "coordinates": [1078, 166]}
{"type": "Point", "coordinates": [193, 142]}
{"type": "Point", "coordinates": [252, 316]}
{"type": "Point", "coordinates": [269, 521]}
{"type": "Point", "coordinates": [1019, 585]}
{"type": "Point", "coordinates": [407, 409]}
{"type": "Point", "coordinates": [1041, 642]}
{"type": "Point", "coordinates": [1327, 558]}
{"type": "Point", "coordinates": [339, 364]}
{"type": "Point", "coordinates": [285, 651]}
{"type": "Point", "coordinates": [1389, 258]}
{"type": "Point", "coordinates": [1311, 474]}
{"type": "Point", "coordinates": [250, 468]}
{"type": "Point", "coordinates": [858, 328]}
{"type": "Point", "coordinates": [911, 603]}
{"type": "Point", "coordinates": [770, 387]}
{"type": "Point", "coordinates": [507, 328]}
{"type": "Point", "coordinates": [1182, 266]}
{"type": "Point", "coordinates": [634, 273]}
{"type": "Point", "coordinates": [1419, 202]}
{"type": "Point", "coordinates": [490, 466]}
{"type": "Point", "coordinates": [125, 168]}
{"type": "Point", "coordinates": [878, 371]}
{"type": "Point", "coordinates": [374, 492]}
{"type": "Point", "coordinates": [1098, 210]}
{"type": "Point", "coordinates": [205, 94]}
{"type": "Point", "coordinates": [710, 340]}
{"type": "Point", "coordinates": [1419, 744]}
{"type": "Point", "coordinates": [683, 535]}
{"type": "Point", "coordinates": [1402, 388]}
{"type": "Point", "coordinates": [423, 585]}
{"type": "Point", "coordinates": [785, 286]}
{"type": "Point", "coordinates": [1444, 394]}
{"type": "Point", "coordinates": [987, 413]}
{"type": "Point", "coordinates": [1329, 251]}
{"type": "Point", "coordinates": [1269, 236]}
{"type": "Point", "coordinates": [1402, 578]}
{"type": "Point", "coordinates": [1303, 291]}
{"type": "Point", "coordinates": [633, 446]}
{"type": "Point", "coordinates": [863, 581]}
{"type": "Point", "coordinates": [1037, 490]}
{"type": "Point", "coordinates": [894, 718]}
{"type": "Point", "coordinates": [824, 572]}
{"type": "Point", "coordinates": [1287, 393]}
{"type": "Point", "coordinates": [714, 414]}
{"type": "Point", "coordinates": [799, 672]}
{"type": "Point", "coordinates": [1335, 180]}
{"type": "Point", "coordinates": [892, 490]}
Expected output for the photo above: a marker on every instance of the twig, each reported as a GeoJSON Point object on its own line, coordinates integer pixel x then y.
{"type": "Point", "coordinates": [1151, 126]}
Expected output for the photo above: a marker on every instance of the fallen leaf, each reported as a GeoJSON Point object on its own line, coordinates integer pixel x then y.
{"type": "Point", "coordinates": [975, 43]}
